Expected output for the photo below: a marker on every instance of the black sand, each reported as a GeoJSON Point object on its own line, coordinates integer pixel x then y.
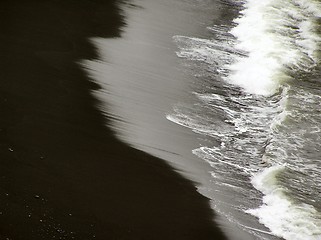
{"type": "Point", "coordinates": [63, 174]}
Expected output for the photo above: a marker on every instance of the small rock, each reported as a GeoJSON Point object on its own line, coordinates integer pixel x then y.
{"type": "Point", "coordinates": [37, 196]}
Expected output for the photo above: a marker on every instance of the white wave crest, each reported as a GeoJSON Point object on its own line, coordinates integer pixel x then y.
{"type": "Point", "coordinates": [280, 214]}
{"type": "Point", "coordinates": [276, 34]}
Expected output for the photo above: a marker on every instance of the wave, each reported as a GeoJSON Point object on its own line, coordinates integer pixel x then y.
{"type": "Point", "coordinates": [270, 45]}
{"type": "Point", "coordinates": [285, 217]}
{"type": "Point", "coordinates": [277, 35]}
{"type": "Point", "coordinates": [281, 39]}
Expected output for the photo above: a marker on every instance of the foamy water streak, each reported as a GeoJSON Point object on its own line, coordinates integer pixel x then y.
{"type": "Point", "coordinates": [277, 35]}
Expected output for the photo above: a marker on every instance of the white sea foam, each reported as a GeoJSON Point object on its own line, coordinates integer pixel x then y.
{"type": "Point", "coordinates": [284, 217]}
{"type": "Point", "coordinates": [271, 39]}
{"type": "Point", "coordinates": [276, 35]}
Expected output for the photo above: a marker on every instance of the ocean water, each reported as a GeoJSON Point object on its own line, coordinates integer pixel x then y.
{"type": "Point", "coordinates": [252, 118]}
{"type": "Point", "coordinates": [256, 101]}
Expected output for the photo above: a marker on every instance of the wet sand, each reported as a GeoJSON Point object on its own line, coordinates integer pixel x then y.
{"type": "Point", "coordinates": [63, 173]}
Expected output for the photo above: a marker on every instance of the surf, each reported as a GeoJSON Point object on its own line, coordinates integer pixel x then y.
{"type": "Point", "coordinates": [277, 37]}
{"type": "Point", "coordinates": [251, 69]}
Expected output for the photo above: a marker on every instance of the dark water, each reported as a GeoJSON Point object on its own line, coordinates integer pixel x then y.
{"type": "Point", "coordinates": [254, 105]}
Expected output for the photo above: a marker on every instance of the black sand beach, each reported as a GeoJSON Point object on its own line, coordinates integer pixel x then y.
{"type": "Point", "coordinates": [63, 173]}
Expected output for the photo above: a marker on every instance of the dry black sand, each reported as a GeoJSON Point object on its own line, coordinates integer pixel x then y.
{"type": "Point", "coordinates": [63, 173]}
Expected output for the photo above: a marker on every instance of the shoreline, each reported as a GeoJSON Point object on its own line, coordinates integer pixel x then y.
{"type": "Point", "coordinates": [64, 174]}
{"type": "Point", "coordinates": [143, 80]}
